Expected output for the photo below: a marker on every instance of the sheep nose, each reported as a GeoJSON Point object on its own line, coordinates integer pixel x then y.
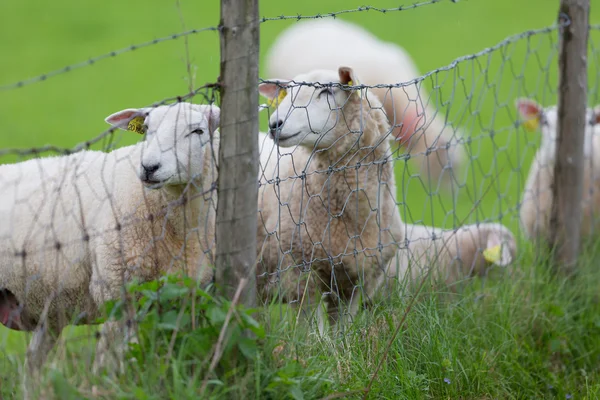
{"type": "Point", "coordinates": [150, 169]}
{"type": "Point", "coordinates": [273, 126]}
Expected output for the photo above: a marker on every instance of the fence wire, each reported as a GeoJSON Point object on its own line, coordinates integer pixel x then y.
{"type": "Point", "coordinates": [174, 36]}
{"type": "Point", "coordinates": [459, 172]}
{"type": "Point", "coordinates": [78, 226]}
{"type": "Point", "coordinates": [346, 212]}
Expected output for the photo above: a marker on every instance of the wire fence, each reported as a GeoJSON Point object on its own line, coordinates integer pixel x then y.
{"type": "Point", "coordinates": [367, 179]}
{"type": "Point", "coordinates": [459, 178]}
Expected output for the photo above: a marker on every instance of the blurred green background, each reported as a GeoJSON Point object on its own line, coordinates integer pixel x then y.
{"type": "Point", "coordinates": [70, 108]}
{"type": "Point", "coordinates": [38, 37]}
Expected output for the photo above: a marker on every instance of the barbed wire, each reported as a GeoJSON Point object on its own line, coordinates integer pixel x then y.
{"type": "Point", "coordinates": [88, 143]}
{"type": "Point", "coordinates": [479, 69]}
{"type": "Point", "coordinates": [174, 36]}
{"type": "Point", "coordinates": [483, 82]}
{"type": "Point", "coordinates": [448, 67]}
{"type": "Point", "coordinates": [334, 14]}
{"type": "Point", "coordinates": [94, 60]}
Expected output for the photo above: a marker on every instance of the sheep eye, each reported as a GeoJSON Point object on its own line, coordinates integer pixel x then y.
{"type": "Point", "coordinates": [326, 90]}
{"type": "Point", "coordinates": [198, 131]}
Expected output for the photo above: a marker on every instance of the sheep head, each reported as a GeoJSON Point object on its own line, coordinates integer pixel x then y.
{"type": "Point", "coordinates": [500, 248]}
{"type": "Point", "coordinates": [309, 109]}
{"type": "Point", "coordinates": [175, 140]}
{"type": "Point", "coordinates": [535, 116]}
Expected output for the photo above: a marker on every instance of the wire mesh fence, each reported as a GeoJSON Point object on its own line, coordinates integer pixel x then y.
{"type": "Point", "coordinates": [367, 178]}
{"type": "Point", "coordinates": [77, 226]}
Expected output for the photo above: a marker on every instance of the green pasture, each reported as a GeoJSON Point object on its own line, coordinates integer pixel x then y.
{"type": "Point", "coordinates": [478, 95]}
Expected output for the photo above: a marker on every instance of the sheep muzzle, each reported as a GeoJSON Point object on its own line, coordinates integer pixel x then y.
{"type": "Point", "coordinates": [10, 312]}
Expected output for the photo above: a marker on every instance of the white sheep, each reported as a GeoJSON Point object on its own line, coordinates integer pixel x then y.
{"type": "Point", "coordinates": [77, 227]}
{"type": "Point", "coordinates": [328, 43]}
{"type": "Point", "coordinates": [536, 204]}
{"type": "Point", "coordinates": [308, 190]}
{"type": "Point", "coordinates": [326, 220]}
{"type": "Point", "coordinates": [452, 254]}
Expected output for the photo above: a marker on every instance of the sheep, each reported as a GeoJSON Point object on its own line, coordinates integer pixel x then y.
{"type": "Point", "coordinates": [312, 216]}
{"type": "Point", "coordinates": [536, 203]}
{"type": "Point", "coordinates": [452, 254]}
{"type": "Point", "coordinates": [327, 43]}
{"type": "Point", "coordinates": [327, 221]}
{"type": "Point", "coordinates": [77, 227]}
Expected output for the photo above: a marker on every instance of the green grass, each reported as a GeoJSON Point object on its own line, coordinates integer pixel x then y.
{"type": "Point", "coordinates": [524, 333]}
{"type": "Point", "coordinates": [503, 337]}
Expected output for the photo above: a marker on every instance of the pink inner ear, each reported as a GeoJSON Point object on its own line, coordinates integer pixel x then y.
{"type": "Point", "coordinates": [596, 115]}
{"type": "Point", "coordinates": [344, 76]}
{"type": "Point", "coordinates": [528, 108]}
{"type": "Point", "coordinates": [121, 116]}
{"type": "Point", "coordinates": [269, 90]}
{"type": "Point", "coordinates": [214, 119]}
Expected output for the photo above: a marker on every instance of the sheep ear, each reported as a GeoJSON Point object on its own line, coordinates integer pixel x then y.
{"type": "Point", "coordinates": [274, 91]}
{"type": "Point", "coordinates": [530, 111]}
{"type": "Point", "coordinates": [596, 115]}
{"type": "Point", "coordinates": [347, 76]}
{"type": "Point", "coordinates": [213, 115]}
{"type": "Point", "coordinates": [130, 119]}
{"type": "Point", "coordinates": [497, 252]}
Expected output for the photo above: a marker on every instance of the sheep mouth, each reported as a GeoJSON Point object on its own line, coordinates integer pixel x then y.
{"type": "Point", "coordinates": [154, 184]}
{"type": "Point", "coordinates": [284, 138]}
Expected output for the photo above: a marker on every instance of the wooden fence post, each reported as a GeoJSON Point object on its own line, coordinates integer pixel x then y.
{"type": "Point", "coordinates": [567, 190]}
{"type": "Point", "coordinates": [238, 154]}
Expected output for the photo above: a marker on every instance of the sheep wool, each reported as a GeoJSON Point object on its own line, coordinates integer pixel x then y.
{"type": "Point", "coordinates": [327, 43]}
{"type": "Point", "coordinates": [536, 202]}
{"type": "Point", "coordinates": [327, 227]}
{"type": "Point", "coordinates": [78, 227]}
{"type": "Point", "coordinates": [452, 255]}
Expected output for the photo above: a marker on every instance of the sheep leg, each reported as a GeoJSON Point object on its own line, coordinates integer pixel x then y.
{"type": "Point", "coordinates": [339, 319]}
{"type": "Point", "coordinates": [353, 299]}
{"type": "Point", "coordinates": [353, 306]}
{"type": "Point", "coordinates": [108, 355]}
{"type": "Point", "coordinates": [103, 287]}
{"type": "Point", "coordinates": [332, 307]}
{"type": "Point", "coordinates": [42, 341]}
{"type": "Point", "coordinates": [327, 311]}
{"type": "Point", "coordinates": [373, 281]}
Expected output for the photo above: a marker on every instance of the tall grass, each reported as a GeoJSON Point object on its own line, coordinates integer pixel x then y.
{"type": "Point", "coordinates": [522, 333]}
{"type": "Point", "coordinates": [517, 333]}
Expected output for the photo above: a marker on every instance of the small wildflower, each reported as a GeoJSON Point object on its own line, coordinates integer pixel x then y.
{"type": "Point", "coordinates": [550, 387]}
{"type": "Point", "coordinates": [447, 380]}
{"type": "Point", "coordinates": [569, 396]}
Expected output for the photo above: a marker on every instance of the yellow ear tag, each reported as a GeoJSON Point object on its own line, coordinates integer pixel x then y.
{"type": "Point", "coordinates": [350, 83]}
{"type": "Point", "coordinates": [136, 125]}
{"type": "Point", "coordinates": [275, 102]}
{"type": "Point", "coordinates": [492, 255]}
{"type": "Point", "coordinates": [532, 124]}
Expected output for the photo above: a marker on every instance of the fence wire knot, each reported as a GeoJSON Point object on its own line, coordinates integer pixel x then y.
{"type": "Point", "coordinates": [564, 20]}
